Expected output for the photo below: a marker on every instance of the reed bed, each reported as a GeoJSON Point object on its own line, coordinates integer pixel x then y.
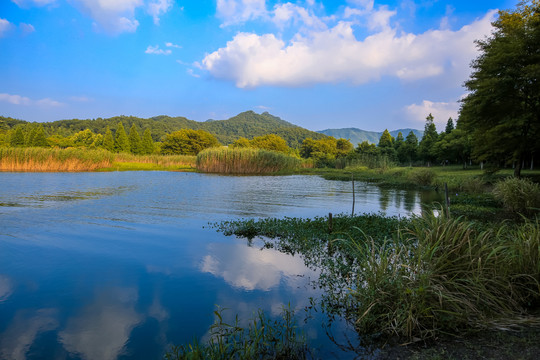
{"type": "Point", "coordinates": [43, 159]}
{"type": "Point", "coordinates": [245, 161]}
{"type": "Point", "coordinates": [160, 160]}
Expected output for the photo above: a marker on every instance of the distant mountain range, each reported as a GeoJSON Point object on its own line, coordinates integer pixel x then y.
{"type": "Point", "coordinates": [357, 136]}
{"type": "Point", "coordinates": [247, 124]}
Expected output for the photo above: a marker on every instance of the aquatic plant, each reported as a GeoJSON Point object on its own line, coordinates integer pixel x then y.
{"type": "Point", "coordinates": [245, 161]}
{"type": "Point", "coordinates": [518, 195]}
{"type": "Point", "coordinates": [263, 338]}
{"type": "Point", "coordinates": [43, 159]}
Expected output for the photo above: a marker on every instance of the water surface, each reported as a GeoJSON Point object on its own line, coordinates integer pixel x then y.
{"type": "Point", "coordinates": [121, 265]}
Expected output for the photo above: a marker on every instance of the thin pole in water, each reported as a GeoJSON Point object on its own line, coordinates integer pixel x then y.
{"type": "Point", "coordinates": [447, 198]}
{"type": "Point", "coordinates": [353, 195]}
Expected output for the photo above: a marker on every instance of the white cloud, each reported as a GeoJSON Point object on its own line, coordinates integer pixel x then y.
{"type": "Point", "coordinates": [23, 100]}
{"type": "Point", "coordinates": [158, 7]}
{"type": "Point", "coordinates": [238, 11]}
{"type": "Point", "coordinates": [380, 19]}
{"type": "Point", "coordinates": [26, 28]}
{"type": "Point", "coordinates": [283, 14]}
{"type": "Point", "coordinates": [15, 99]}
{"type": "Point", "coordinates": [80, 98]}
{"type": "Point", "coordinates": [441, 111]}
{"type": "Point", "coordinates": [157, 51]}
{"type": "Point", "coordinates": [169, 44]}
{"type": "Point", "coordinates": [28, 3]}
{"type": "Point", "coordinates": [336, 55]}
{"type": "Point", "coordinates": [114, 16]}
{"type": "Point", "coordinates": [192, 73]}
{"type": "Point", "coordinates": [5, 26]}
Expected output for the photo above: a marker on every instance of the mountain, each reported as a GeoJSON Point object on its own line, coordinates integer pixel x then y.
{"type": "Point", "coordinates": [247, 124]}
{"type": "Point", "coordinates": [357, 136]}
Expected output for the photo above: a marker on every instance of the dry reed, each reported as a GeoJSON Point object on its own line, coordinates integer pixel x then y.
{"type": "Point", "coordinates": [42, 160]}
{"type": "Point", "coordinates": [161, 160]}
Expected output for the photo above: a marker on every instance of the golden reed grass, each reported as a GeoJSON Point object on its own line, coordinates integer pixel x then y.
{"type": "Point", "coordinates": [161, 160]}
{"type": "Point", "coordinates": [42, 159]}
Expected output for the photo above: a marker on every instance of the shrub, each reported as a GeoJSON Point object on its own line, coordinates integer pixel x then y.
{"type": "Point", "coordinates": [519, 195]}
{"type": "Point", "coordinates": [422, 176]}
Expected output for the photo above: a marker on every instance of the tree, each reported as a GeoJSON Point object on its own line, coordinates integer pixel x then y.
{"type": "Point", "coordinates": [135, 143]}
{"type": "Point", "coordinates": [449, 126]}
{"type": "Point", "coordinates": [502, 110]}
{"type": "Point", "coordinates": [270, 142]}
{"type": "Point", "coordinates": [39, 138]}
{"type": "Point", "coordinates": [410, 148]}
{"type": "Point", "coordinates": [343, 147]}
{"type": "Point", "coordinates": [121, 140]}
{"type": "Point", "coordinates": [188, 142]}
{"type": "Point", "coordinates": [399, 147]}
{"type": "Point", "coordinates": [83, 138]}
{"type": "Point", "coordinates": [147, 142]}
{"type": "Point", "coordinates": [425, 148]}
{"type": "Point", "coordinates": [17, 137]}
{"type": "Point", "coordinates": [108, 140]}
{"type": "Point", "coordinates": [241, 142]}
{"type": "Point", "coordinates": [386, 145]}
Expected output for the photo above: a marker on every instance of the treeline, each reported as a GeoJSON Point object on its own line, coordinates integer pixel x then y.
{"type": "Point", "coordinates": [247, 124]}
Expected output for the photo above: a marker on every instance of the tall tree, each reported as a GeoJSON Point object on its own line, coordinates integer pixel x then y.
{"type": "Point", "coordinates": [147, 142]}
{"type": "Point", "coordinates": [121, 140]}
{"type": "Point", "coordinates": [502, 110]}
{"type": "Point", "coordinates": [135, 142]}
{"type": "Point", "coordinates": [425, 148]}
{"type": "Point", "coordinates": [188, 142]}
{"type": "Point", "coordinates": [39, 138]}
{"type": "Point", "coordinates": [410, 148]}
{"type": "Point", "coordinates": [17, 137]}
{"type": "Point", "coordinates": [449, 126]}
{"type": "Point", "coordinates": [108, 140]}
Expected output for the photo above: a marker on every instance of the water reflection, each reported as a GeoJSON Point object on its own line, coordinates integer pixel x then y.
{"type": "Point", "coordinates": [6, 288]}
{"type": "Point", "coordinates": [102, 328]}
{"type": "Point", "coordinates": [23, 330]}
{"type": "Point", "coordinates": [251, 268]}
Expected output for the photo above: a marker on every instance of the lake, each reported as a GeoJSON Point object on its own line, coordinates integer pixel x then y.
{"type": "Point", "coordinates": [122, 265]}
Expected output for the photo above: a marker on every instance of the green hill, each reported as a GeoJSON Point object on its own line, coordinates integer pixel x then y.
{"type": "Point", "coordinates": [247, 124]}
{"type": "Point", "coordinates": [357, 136]}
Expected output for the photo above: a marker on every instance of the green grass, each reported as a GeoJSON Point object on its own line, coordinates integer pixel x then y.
{"type": "Point", "coordinates": [262, 338]}
{"type": "Point", "coordinates": [416, 278]}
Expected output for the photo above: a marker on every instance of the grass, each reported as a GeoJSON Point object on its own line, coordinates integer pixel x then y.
{"type": "Point", "coordinates": [263, 338]}
{"type": "Point", "coordinates": [419, 278]}
{"type": "Point", "coordinates": [245, 161]}
{"type": "Point", "coordinates": [42, 159]}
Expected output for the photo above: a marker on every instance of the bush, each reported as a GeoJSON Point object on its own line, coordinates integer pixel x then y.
{"type": "Point", "coordinates": [518, 195]}
{"type": "Point", "coordinates": [422, 176]}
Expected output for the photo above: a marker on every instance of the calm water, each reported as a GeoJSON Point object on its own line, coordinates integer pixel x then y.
{"type": "Point", "coordinates": [120, 265]}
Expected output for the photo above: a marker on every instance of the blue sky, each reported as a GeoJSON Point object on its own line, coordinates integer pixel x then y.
{"type": "Point", "coordinates": [318, 64]}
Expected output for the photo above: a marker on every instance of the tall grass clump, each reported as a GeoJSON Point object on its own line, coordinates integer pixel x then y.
{"type": "Point", "coordinates": [422, 176]}
{"type": "Point", "coordinates": [261, 339]}
{"type": "Point", "coordinates": [162, 160]}
{"type": "Point", "coordinates": [245, 161]}
{"type": "Point", "coordinates": [42, 159]}
{"type": "Point", "coordinates": [441, 276]}
{"type": "Point", "coordinates": [518, 195]}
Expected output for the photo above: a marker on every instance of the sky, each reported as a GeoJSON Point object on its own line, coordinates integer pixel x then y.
{"type": "Point", "coordinates": [319, 64]}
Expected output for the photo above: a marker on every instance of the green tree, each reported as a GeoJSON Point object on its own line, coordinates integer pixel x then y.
{"type": "Point", "coordinates": [135, 142]}
{"type": "Point", "coordinates": [39, 137]}
{"type": "Point", "coordinates": [365, 147]}
{"type": "Point", "coordinates": [386, 145]}
{"type": "Point", "coordinates": [426, 146]}
{"type": "Point", "coordinates": [343, 147]}
{"type": "Point", "coordinates": [188, 142]}
{"type": "Point", "coordinates": [399, 147]}
{"type": "Point", "coordinates": [108, 140]}
{"type": "Point", "coordinates": [121, 140]}
{"type": "Point", "coordinates": [410, 148]}
{"type": "Point", "coordinates": [449, 126]}
{"type": "Point", "coordinates": [17, 137]}
{"type": "Point", "coordinates": [83, 138]}
{"type": "Point", "coordinates": [502, 109]}
{"type": "Point", "coordinates": [147, 142]}
{"type": "Point", "coordinates": [241, 142]}
{"type": "Point", "coordinates": [270, 142]}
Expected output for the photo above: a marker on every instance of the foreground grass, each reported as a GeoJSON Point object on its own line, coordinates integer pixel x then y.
{"type": "Point", "coordinates": [419, 279]}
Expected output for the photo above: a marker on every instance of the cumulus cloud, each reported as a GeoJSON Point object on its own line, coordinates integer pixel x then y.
{"type": "Point", "coordinates": [23, 100]}
{"type": "Point", "coordinates": [113, 16]}
{"type": "Point", "coordinates": [283, 14]}
{"type": "Point", "coordinates": [157, 51]}
{"type": "Point", "coordinates": [158, 7]}
{"type": "Point", "coordinates": [441, 111]}
{"type": "Point", "coordinates": [337, 55]}
{"type": "Point", "coordinates": [5, 26]}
